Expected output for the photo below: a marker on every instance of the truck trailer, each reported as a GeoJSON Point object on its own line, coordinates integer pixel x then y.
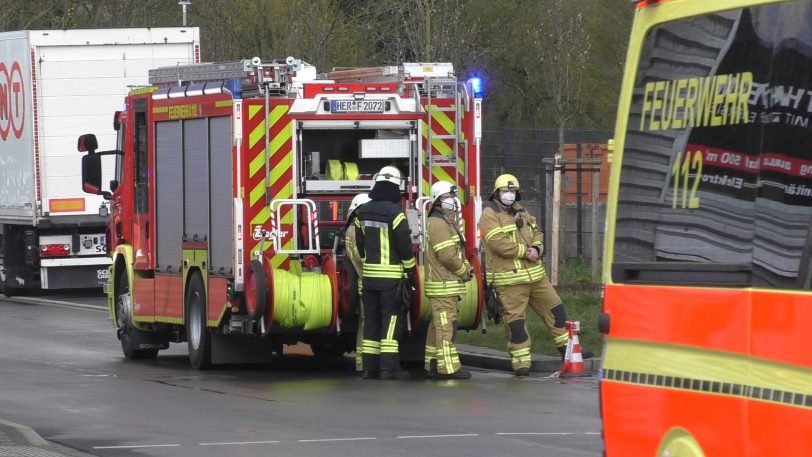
{"type": "Point", "coordinates": [52, 82]}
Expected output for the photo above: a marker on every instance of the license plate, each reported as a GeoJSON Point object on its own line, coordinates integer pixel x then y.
{"type": "Point", "coordinates": [357, 106]}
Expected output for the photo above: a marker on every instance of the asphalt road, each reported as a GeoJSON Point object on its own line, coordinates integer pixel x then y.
{"type": "Point", "coordinates": [62, 373]}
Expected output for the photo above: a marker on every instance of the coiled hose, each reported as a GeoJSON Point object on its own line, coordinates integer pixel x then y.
{"type": "Point", "coordinates": [467, 310]}
{"type": "Point", "coordinates": [302, 300]}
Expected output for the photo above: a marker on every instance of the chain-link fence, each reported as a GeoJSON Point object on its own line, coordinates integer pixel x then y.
{"type": "Point", "coordinates": [521, 152]}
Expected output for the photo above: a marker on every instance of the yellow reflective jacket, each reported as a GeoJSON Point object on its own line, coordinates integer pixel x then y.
{"type": "Point", "coordinates": [507, 233]}
{"type": "Point", "coordinates": [353, 254]}
{"type": "Point", "coordinates": [445, 259]}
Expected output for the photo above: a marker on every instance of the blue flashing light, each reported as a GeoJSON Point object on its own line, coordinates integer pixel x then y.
{"type": "Point", "coordinates": [476, 83]}
{"type": "Point", "coordinates": [234, 86]}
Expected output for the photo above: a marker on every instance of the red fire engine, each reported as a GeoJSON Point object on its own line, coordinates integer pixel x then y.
{"type": "Point", "coordinates": [230, 193]}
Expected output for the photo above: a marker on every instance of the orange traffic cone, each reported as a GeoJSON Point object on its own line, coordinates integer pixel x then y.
{"type": "Point", "coordinates": [573, 362]}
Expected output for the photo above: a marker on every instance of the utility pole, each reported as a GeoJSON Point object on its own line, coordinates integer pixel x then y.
{"type": "Point", "coordinates": [554, 249]}
{"type": "Point", "coordinates": [184, 4]}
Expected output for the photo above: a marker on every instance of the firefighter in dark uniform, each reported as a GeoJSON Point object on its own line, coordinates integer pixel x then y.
{"type": "Point", "coordinates": [446, 271]}
{"type": "Point", "coordinates": [513, 248]}
{"type": "Point", "coordinates": [354, 257]}
{"type": "Point", "coordinates": [384, 241]}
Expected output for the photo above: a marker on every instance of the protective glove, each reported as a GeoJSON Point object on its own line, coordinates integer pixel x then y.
{"type": "Point", "coordinates": [405, 291]}
{"type": "Point", "coordinates": [411, 275]}
{"type": "Point", "coordinates": [492, 305]}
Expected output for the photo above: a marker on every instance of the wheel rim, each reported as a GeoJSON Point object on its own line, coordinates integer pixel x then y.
{"type": "Point", "coordinates": [123, 308]}
{"type": "Point", "coordinates": [195, 320]}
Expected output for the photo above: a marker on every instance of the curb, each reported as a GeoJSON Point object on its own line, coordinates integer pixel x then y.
{"type": "Point", "coordinates": [492, 359]}
{"type": "Point", "coordinates": [16, 439]}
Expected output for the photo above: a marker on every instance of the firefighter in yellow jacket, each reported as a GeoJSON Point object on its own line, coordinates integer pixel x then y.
{"type": "Point", "coordinates": [358, 264]}
{"type": "Point", "coordinates": [446, 273]}
{"type": "Point", "coordinates": [513, 247]}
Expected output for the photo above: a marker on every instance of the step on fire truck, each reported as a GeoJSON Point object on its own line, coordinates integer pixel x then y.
{"type": "Point", "coordinates": [235, 178]}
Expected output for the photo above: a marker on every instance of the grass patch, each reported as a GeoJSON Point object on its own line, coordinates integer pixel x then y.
{"type": "Point", "coordinates": [581, 306]}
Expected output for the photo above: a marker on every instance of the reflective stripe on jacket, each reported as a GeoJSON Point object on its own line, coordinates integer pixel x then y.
{"type": "Point", "coordinates": [445, 260]}
{"type": "Point", "coordinates": [506, 244]}
{"type": "Point", "coordinates": [384, 242]}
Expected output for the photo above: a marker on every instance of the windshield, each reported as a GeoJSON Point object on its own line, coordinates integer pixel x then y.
{"type": "Point", "coordinates": [716, 167]}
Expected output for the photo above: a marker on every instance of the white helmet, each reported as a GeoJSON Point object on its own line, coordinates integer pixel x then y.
{"type": "Point", "coordinates": [357, 201]}
{"type": "Point", "coordinates": [389, 173]}
{"type": "Point", "coordinates": [441, 188]}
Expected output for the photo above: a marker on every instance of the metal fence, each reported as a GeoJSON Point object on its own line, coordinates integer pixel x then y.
{"type": "Point", "coordinates": [521, 152]}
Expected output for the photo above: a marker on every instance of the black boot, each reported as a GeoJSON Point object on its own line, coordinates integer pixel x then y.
{"type": "Point", "coordinates": [462, 374]}
{"type": "Point", "coordinates": [432, 373]}
{"type": "Point", "coordinates": [369, 374]}
{"type": "Point", "coordinates": [395, 374]}
{"type": "Point", "coordinates": [524, 371]}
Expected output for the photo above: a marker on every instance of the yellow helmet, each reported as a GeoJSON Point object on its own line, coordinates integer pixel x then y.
{"type": "Point", "coordinates": [505, 180]}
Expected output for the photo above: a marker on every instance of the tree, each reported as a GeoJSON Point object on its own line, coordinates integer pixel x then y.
{"type": "Point", "coordinates": [561, 45]}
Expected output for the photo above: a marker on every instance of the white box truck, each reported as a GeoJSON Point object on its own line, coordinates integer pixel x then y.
{"type": "Point", "coordinates": [53, 84]}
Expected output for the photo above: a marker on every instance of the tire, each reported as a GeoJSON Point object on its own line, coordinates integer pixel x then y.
{"type": "Point", "coordinates": [130, 336]}
{"type": "Point", "coordinates": [198, 336]}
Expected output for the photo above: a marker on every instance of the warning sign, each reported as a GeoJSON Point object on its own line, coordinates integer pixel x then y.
{"type": "Point", "coordinates": [12, 100]}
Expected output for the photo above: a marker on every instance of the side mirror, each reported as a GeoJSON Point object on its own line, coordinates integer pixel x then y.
{"type": "Point", "coordinates": [113, 185]}
{"type": "Point", "coordinates": [87, 143]}
{"type": "Point", "coordinates": [91, 172]}
{"type": "Point", "coordinates": [117, 120]}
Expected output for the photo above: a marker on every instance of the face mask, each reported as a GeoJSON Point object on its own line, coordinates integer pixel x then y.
{"type": "Point", "coordinates": [508, 198]}
{"type": "Point", "coordinates": [448, 203]}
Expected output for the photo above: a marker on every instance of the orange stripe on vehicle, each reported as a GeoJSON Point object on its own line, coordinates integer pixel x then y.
{"type": "Point", "coordinates": [66, 205]}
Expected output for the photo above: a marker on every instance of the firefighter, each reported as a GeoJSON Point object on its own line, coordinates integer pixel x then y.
{"type": "Point", "coordinates": [446, 271]}
{"type": "Point", "coordinates": [358, 264]}
{"type": "Point", "coordinates": [384, 242]}
{"type": "Point", "coordinates": [513, 248]}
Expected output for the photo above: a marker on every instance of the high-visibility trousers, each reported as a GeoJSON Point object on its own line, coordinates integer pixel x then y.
{"type": "Point", "coordinates": [441, 333]}
{"type": "Point", "coordinates": [384, 324]}
{"type": "Point", "coordinates": [513, 301]}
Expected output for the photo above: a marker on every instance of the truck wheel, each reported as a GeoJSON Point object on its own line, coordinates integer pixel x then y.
{"type": "Point", "coordinates": [198, 335]}
{"type": "Point", "coordinates": [130, 336]}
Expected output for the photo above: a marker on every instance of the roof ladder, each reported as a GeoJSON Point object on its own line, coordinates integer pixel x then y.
{"type": "Point", "coordinates": [434, 86]}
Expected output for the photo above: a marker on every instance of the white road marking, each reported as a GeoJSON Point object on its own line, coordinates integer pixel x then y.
{"type": "Point", "coordinates": [547, 433]}
{"type": "Point", "coordinates": [336, 439]}
{"type": "Point", "coordinates": [136, 446]}
{"type": "Point", "coordinates": [368, 438]}
{"type": "Point", "coordinates": [437, 436]}
{"type": "Point", "coordinates": [231, 443]}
